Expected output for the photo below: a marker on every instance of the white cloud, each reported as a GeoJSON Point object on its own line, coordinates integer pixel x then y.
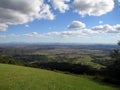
{"type": "Point", "coordinates": [27, 25]}
{"type": "Point", "coordinates": [101, 29]}
{"type": "Point", "coordinates": [35, 35]}
{"type": "Point", "coordinates": [117, 27]}
{"type": "Point", "coordinates": [60, 5]}
{"type": "Point", "coordinates": [77, 25]}
{"type": "Point", "coordinates": [2, 36]}
{"type": "Point", "coordinates": [53, 33]}
{"type": "Point", "coordinates": [107, 28]}
{"type": "Point", "coordinates": [93, 7]}
{"type": "Point", "coordinates": [3, 27]}
{"type": "Point", "coordinates": [67, 33]}
{"type": "Point", "coordinates": [13, 12]}
{"type": "Point", "coordinates": [94, 32]}
{"type": "Point", "coordinates": [46, 13]}
{"type": "Point", "coordinates": [100, 22]}
{"type": "Point", "coordinates": [31, 34]}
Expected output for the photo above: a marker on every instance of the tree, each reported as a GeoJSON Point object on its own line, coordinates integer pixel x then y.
{"type": "Point", "coordinates": [119, 42]}
{"type": "Point", "coordinates": [113, 70]}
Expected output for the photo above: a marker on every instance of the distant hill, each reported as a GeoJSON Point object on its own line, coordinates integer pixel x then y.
{"type": "Point", "coordinates": [24, 78]}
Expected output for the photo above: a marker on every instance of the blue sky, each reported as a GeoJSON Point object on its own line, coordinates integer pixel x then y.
{"type": "Point", "coordinates": [60, 21]}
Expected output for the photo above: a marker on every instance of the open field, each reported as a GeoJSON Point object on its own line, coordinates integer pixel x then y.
{"type": "Point", "coordinates": [24, 78]}
{"type": "Point", "coordinates": [93, 55]}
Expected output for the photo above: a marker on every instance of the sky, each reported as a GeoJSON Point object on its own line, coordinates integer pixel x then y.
{"type": "Point", "coordinates": [60, 21]}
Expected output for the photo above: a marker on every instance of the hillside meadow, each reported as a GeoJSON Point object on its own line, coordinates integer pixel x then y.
{"type": "Point", "coordinates": [24, 78]}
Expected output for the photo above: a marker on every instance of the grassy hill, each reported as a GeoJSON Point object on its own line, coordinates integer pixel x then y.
{"type": "Point", "coordinates": [24, 78]}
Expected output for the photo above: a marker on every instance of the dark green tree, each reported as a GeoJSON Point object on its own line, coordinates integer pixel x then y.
{"type": "Point", "coordinates": [113, 70]}
{"type": "Point", "coordinates": [119, 43]}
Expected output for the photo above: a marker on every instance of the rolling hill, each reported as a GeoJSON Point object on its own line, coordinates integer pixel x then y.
{"type": "Point", "coordinates": [24, 78]}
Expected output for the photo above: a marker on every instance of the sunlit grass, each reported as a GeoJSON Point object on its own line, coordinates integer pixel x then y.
{"type": "Point", "coordinates": [24, 78]}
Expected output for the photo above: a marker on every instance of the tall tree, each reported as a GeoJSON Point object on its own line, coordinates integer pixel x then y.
{"type": "Point", "coordinates": [113, 70]}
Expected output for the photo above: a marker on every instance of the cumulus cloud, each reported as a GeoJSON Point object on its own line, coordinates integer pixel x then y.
{"type": "Point", "coordinates": [100, 29]}
{"type": "Point", "coordinates": [107, 28]}
{"type": "Point", "coordinates": [116, 28]}
{"type": "Point", "coordinates": [82, 32]}
{"type": "Point", "coordinates": [3, 27]}
{"type": "Point", "coordinates": [93, 7]}
{"type": "Point", "coordinates": [60, 5]}
{"type": "Point", "coordinates": [53, 33]}
{"type": "Point", "coordinates": [66, 33]}
{"type": "Point", "coordinates": [35, 35]}
{"type": "Point", "coordinates": [31, 34]}
{"type": "Point", "coordinates": [77, 25]}
{"type": "Point", "coordinates": [103, 28]}
{"type": "Point", "coordinates": [13, 12]}
{"type": "Point", "coordinates": [45, 13]}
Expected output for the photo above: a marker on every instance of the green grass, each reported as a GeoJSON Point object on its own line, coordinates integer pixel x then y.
{"type": "Point", "coordinates": [87, 60]}
{"type": "Point", "coordinates": [24, 78]}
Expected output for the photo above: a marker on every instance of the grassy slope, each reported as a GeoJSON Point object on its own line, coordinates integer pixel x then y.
{"type": "Point", "coordinates": [24, 78]}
